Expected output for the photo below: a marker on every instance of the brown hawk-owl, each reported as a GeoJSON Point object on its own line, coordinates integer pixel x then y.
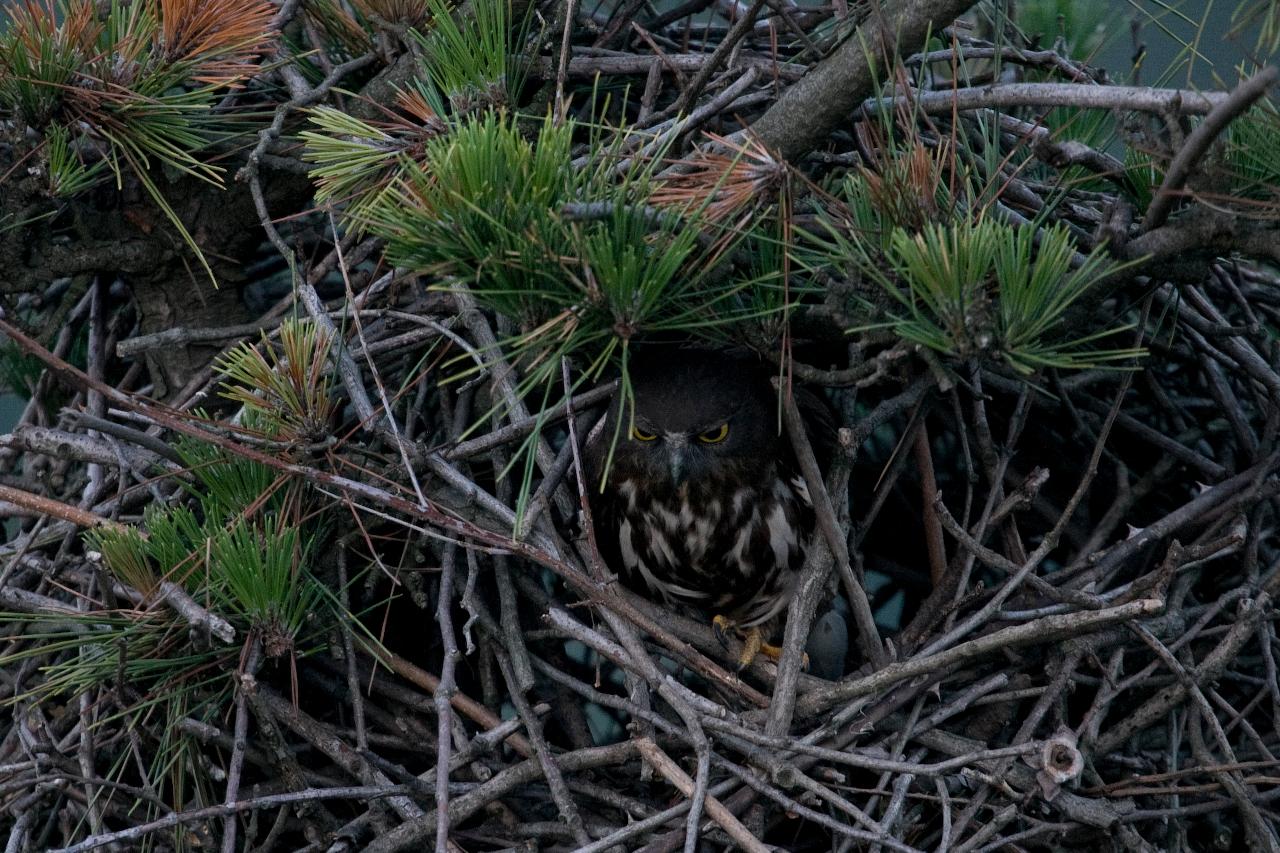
{"type": "Point", "coordinates": [704, 507]}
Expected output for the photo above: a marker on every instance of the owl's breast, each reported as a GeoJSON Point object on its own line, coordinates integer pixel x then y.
{"type": "Point", "coordinates": [730, 549]}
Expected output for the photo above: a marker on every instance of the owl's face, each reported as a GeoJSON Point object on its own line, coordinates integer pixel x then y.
{"type": "Point", "coordinates": [693, 415]}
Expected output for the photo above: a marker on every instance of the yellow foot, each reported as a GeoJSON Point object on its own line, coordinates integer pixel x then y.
{"type": "Point", "coordinates": [774, 653]}
{"type": "Point", "coordinates": [753, 643]}
{"type": "Point", "coordinates": [721, 626]}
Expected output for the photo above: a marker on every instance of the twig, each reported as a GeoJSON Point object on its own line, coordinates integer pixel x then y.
{"type": "Point", "coordinates": [808, 111]}
{"type": "Point", "coordinates": [1069, 95]}
{"type": "Point", "coordinates": [550, 768]}
{"type": "Point", "coordinates": [519, 428]}
{"type": "Point", "coordinates": [1208, 669]}
{"type": "Point", "coordinates": [562, 69]}
{"type": "Point", "coordinates": [929, 513]}
{"type": "Point", "coordinates": [864, 621]}
{"type": "Point", "coordinates": [1044, 630]}
{"type": "Point", "coordinates": [736, 33]}
{"type": "Point", "coordinates": [240, 743]}
{"type": "Point", "coordinates": [134, 833]}
{"type": "Point", "coordinates": [1047, 544]}
{"type": "Point", "coordinates": [444, 691]}
{"type": "Point", "coordinates": [460, 702]}
{"type": "Point", "coordinates": [198, 617]}
{"type": "Point", "coordinates": [1199, 140]}
{"type": "Point", "coordinates": [47, 506]}
{"type": "Point", "coordinates": [715, 809]}
{"type": "Point", "coordinates": [409, 834]}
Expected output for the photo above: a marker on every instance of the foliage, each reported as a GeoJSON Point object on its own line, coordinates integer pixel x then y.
{"type": "Point", "coordinates": [356, 161]}
{"type": "Point", "coordinates": [243, 566]}
{"type": "Point", "coordinates": [908, 185]}
{"type": "Point", "coordinates": [250, 572]}
{"type": "Point", "coordinates": [1251, 159]}
{"type": "Point", "coordinates": [260, 566]}
{"type": "Point", "coordinates": [1243, 172]}
{"type": "Point", "coordinates": [487, 207]}
{"type": "Point", "coordinates": [472, 62]}
{"type": "Point", "coordinates": [909, 188]}
{"type": "Point", "coordinates": [18, 371]}
{"type": "Point", "coordinates": [161, 680]}
{"type": "Point", "coordinates": [68, 173]}
{"type": "Point", "coordinates": [1144, 176]}
{"type": "Point", "coordinates": [348, 30]}
{"type": "Point", "coordinates": [1075, 28]}
{"type": "Point", "coordinates": [407, 13]}
{"type": "Point", "coordinates": [981, 288]}
{"type": "Point", "coordinates": [724, 181]}
{"type": "Point", "coordinates": [1262, 17]}
{"type": "Point", "coordinates": [292, 387]}
{"type": "Point", "coordinates": [468, 66]}
{"type": "Point", "coordinates": [126, 551]}
{"type": "Point", "coordinates": [241, 553]}
{"type": "Point", "coordinates": [482, 206]}
{"type": "Point", "coordinates": [140, 82]}
{"type": "Point", "coordinates": [226, 484]}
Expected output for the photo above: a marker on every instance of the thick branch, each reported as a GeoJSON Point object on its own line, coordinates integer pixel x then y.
{"type": "Point", "coordinates": [825, 98]}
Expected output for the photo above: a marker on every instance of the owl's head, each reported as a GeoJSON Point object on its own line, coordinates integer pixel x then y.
{"type": "Point", "coordinates": [693, 411]}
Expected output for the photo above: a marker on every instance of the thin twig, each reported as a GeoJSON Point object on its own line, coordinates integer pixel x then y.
{"type": "Point", "coordinates": [715, 809]}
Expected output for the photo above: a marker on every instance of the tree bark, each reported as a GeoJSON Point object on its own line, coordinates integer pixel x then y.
{"type": "Point", "coordinates": [811, 109]}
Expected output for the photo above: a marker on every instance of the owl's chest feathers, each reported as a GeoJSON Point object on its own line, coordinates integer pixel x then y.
{"type": "Point", "coordinates": [714, 544]}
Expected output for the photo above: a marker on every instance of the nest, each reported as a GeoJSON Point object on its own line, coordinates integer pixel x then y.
{"type": "Point", "coordinates": [334, 592]}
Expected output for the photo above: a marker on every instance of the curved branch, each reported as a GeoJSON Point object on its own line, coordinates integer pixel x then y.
{"type": "Point", "coordinates": [1201, 138]}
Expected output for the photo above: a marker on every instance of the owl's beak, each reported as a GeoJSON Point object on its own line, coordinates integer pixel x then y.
{"type": "Point", "coordinates": [679, 452]}
{"type": "Point", "coordinates": [677, 467]}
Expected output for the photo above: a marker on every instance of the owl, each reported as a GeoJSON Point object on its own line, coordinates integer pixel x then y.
{"type": "Point", "coordinates": [703, 507]}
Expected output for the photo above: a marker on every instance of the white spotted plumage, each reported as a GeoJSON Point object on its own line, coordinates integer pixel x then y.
{"type": "Point", "coordinates": [702, 505]}
{"type": "Point", "coordinates": [669, 547]}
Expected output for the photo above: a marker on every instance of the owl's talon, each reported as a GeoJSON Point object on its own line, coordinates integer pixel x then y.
{"type": "Point", "coordinates": [721, 626]}
{"type": "Point", "coordinates": [752, 645]}
{"type": "Point", "coordinates": [774, 653]}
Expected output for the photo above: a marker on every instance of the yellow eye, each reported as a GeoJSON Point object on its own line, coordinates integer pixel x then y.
{"type": "Point", "coordinates": [715, 436]}
{"type": "Point", "coordinates": [640, 435]}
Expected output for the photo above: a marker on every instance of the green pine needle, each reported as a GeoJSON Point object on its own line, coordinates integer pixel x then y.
{"type": "Point", "coordinates": [471, 59]}
{"type": "Point", "coordinates": [290, 388]}
{"type": "Point", "coordinates": [1251, 157]}
{"type": "Point", "coordinates": [984, 289]}
{"type": "Point", "coordinates": [126, 554]}
{"type": "Point", "coordinates": [260, 565]}
{"type": "Point", "coordinates": [226, 484]}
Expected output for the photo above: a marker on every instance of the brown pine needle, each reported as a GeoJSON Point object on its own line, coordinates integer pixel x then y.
{"type": "Point", "coordinates": [222, 37]}
{"type": "Point", "coordinates": [724, 179]}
